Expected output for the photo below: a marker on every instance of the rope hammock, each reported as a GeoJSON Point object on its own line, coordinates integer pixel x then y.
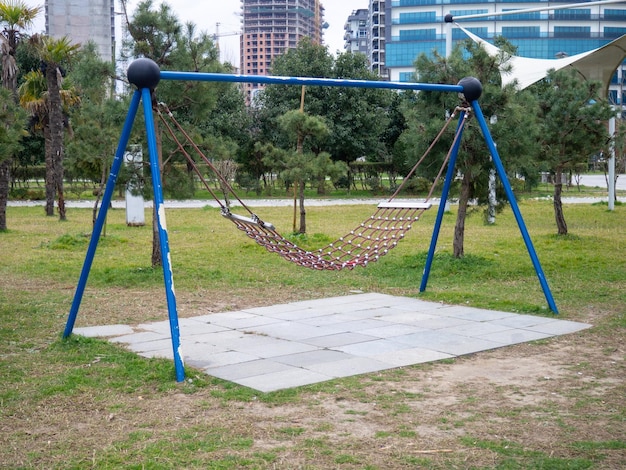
{"type": "Point", "coordinates": [372, 239]}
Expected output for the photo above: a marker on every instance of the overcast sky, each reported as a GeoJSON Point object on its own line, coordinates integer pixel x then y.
{"type": "Point", "coordinates": [206, 13]}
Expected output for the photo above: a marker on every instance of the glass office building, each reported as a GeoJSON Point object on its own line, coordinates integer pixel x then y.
{"type": "Point", "coordinates": [418, 26]}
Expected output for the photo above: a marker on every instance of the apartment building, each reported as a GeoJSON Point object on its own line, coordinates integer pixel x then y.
{"type": "Point", "coordinates": [83, 21]}
{"type": "Point", "coordinates": [270, 27]}
{"type": "Point", "coordinates": [378, 28]}
{"type": "Point", "coordinates": [357, 31]}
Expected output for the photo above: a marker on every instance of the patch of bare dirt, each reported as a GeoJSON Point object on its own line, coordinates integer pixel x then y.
{"type": "Point", "coordinates": [539, 397]}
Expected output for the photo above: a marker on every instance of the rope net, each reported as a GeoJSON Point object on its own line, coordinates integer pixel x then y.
{"type": "Point", "coordinates": [369, 241]}
{"type": "Point", "coordinates": [372, 239]}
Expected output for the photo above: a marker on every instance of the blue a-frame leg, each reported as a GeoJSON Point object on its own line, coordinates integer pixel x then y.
{"type": "Point", "coordinates": [510, 196]}
{"type": "Point", "coordinates": [143, 95]}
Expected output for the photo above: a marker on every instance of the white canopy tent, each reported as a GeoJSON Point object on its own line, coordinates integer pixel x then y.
{"type": "Point", "coordinates": [598, 64]}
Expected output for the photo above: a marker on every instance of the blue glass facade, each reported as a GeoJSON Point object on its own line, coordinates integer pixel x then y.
{"type": "Point", "coordinates": [417, 27]}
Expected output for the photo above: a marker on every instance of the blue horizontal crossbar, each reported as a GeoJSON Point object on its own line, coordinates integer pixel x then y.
{"type": "Point", "coordinates": [308, 81]}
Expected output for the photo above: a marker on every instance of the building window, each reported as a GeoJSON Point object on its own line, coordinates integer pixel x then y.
{"type": "Point", "coordinates": [578, 14]}
{"type": "Point", "coordinates": [468, 12]}
{"type": "Point", "coordinates": [458, 34]}
{"type": "Point", "coordinates": [418, 17]}
{"type": "Point", "coordinates": [521, 31]}
{"type": "Point", "coordinates": [407, 77]}
{"type": "Point", "coordinates": [533, 16]}
{"type": "Point", "coordinates": [614, 14]}
{"type": "Point", "coordinates": [572, 31]}
{"type": "Point", "coordinates": [610, 32]}
{"type": "Point", "coordinates": [418, 34]}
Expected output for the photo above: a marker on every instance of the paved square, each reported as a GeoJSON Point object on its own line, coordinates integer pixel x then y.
{"type": "Point", "coordinates": [300, 343]}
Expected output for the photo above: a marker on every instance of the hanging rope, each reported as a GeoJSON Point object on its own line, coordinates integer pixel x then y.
{"type": "Point", "coordinates": [372, 239]}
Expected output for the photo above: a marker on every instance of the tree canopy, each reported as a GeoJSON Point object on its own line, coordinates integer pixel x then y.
{"type": "Point", "coordinates": [356, 118]}
{"type": "Point", "coordinates": [573, 119]}
{"type": "Point", "coordinates": [507, 109]}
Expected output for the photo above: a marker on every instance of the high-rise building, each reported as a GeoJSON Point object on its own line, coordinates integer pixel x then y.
{"type": "Point", "coordinates": [271, 27]}
{"type": "Point", "coordinates": [365, 33]}
{"type": "Point", "coordinates": [357, 32]}
{"type": "Point", "coordinates": [82, 21]}
{"type": "Point", "coordinates": [378, 27]}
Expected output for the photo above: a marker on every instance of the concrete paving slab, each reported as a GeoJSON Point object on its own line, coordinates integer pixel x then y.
{"type": "Point", "coordinates": [449, 343]}
{"type": "Point", "coordinates": [104, 331]}
{"type": "Point", "coordinates": [349, 367]}
{"type": "Point", "coordinates": [327, 320]}
{"type": "Point", "coordinates": [440, 323]}
{"type": "Point", "coordinates": [371, 348]}
{"type": "Point", "coordinates": [156, 347]}
{"type": "Point", "coordinates": [306, 359]}
{"type": "Point", "coordinates": [282, 348]}
{"type": "Point", "coordinates": [289, 378]}
{"type": "Point", "coordinates": [227, 358]}
{"type": "Point", "coordinates": [242, 370]}
{"type": "Point", "coordinates": [477, 315]}
{"type": "Point", "coordinates": [360, 325]}
{"type": "Point", "coordinates": [408, 357]}
{"type": "Point", "coordinates": [243, 323]}
{"type": "Point", "coordinates": [558, 327]}
{"type": "Point", "coordinates": [142, 337]}
{"type": "Point", "coordinates": [340, 339]}
{"type": "Point", "coordinates": [476, 329]}
{"type": "Point", "coordinates": [300, 343]}
{"type": "Point", "coordinates": [515, 336]}
{"type": "Point", "coordinates": [193, 349]}
{"type": "Point", "coordinates": [296, 331]}
{"type": "Point", "coordinates": [523, 321]}
{"type": "Point", "coordinates": [415, 305]}
{"type": "Point", "coordinates": [161, 354]}
{"type": "Point", "coordinates": [391, 330]}
{"type": "Point", "coordinates": [410, 318]}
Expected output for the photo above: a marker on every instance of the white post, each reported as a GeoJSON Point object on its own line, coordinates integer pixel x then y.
{"type": "Point", "coordinates": [491, 210]}
{"type": "Point", "coordinates": [612, 165]}
{"type": "Point", "coordinates": [448, 33]}
{"type": "Point", "coordinates": [135, 216]}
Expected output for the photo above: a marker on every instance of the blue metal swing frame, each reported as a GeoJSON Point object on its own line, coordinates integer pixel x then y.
{"type": "Point", "coordinates": [146, 75]}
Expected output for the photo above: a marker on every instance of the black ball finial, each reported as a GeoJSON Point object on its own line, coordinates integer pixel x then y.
{"type": "Point", "coordinates": [472, 88]}
{"type": "Point", "coordinates": [144, 73]}
{"type": "Point", "coordinates": [448, 18]}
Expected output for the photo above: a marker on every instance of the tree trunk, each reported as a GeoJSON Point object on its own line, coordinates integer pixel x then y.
{"type": "Point", "coordinates": [302, 210]}
{"type": "Point", "coordinates": [56, 123]}
{"type": "Point", "coordinates": [58, 175]}
{"type": "Point", "coordinates": [459, 227]}
{"type": "Point", "coordinates": [301, 186]}
{"type": "Point", "coordinates": [156, 242]}
{"type": "Point", "coordinates": [5, 178]}
{"type": "Point", "coordinates": [9, 81]}
{"type": "Point", "coordinates": [50, 181]}
{"type": "Point", "coordinates": [558, 204]}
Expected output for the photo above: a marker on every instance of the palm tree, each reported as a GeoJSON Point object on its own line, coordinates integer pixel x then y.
{"type": "Point", "coordinates": [54, 53]}
{"type": "Point", "coordinates": [33, 93]}
{"type": "Point", "coordinates": [15, 16]}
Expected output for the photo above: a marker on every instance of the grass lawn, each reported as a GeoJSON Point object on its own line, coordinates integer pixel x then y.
{"type": "Point", "coordinates": [81, 403]}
